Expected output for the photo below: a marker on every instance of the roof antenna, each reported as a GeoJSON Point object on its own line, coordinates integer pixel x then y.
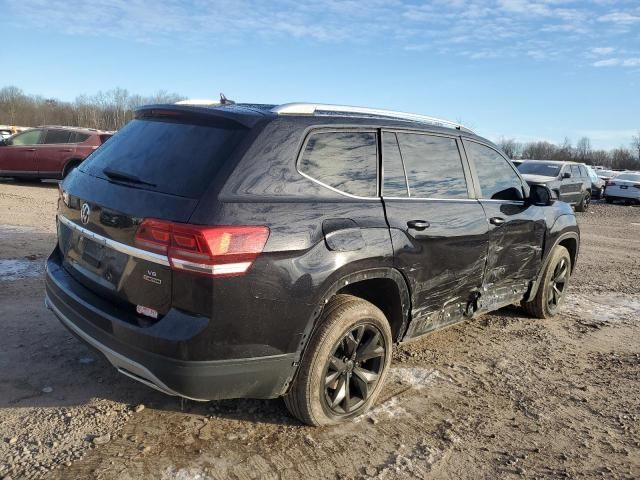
{"type": "Point", "coordinates": [225, 101]}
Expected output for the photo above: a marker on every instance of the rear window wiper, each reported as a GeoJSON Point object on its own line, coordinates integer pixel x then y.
{"type": "Point", "coordinates": [125, 177]}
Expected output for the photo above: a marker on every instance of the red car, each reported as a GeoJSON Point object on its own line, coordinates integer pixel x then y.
{"type": "Point", "coordinates": [47, 152]}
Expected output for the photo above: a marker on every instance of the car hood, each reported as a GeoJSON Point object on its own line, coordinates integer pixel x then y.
{"type": "Point", "coordinates": [529, 177]}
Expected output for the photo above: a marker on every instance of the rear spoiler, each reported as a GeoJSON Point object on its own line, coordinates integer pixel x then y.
{"type": "Point", "coordinates": [237, 114]}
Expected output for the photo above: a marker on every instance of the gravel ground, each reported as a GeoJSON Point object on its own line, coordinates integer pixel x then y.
{"type": "Point", "coordinates": [502, 396]}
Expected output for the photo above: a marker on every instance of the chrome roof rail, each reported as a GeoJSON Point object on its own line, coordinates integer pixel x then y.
{"type": "Point", "coordinates": [199, 102]}
{"type": "Point", "coordinates": [322, 108]}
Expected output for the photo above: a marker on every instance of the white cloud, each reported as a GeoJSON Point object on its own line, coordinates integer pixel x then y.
{"type": "Point", "coordinates": [477, 29]}
{"type": "Point", "coordinates": [622, 62]}
{"type": "Point", "coordinates": [609, 62]}
{"type": "Point", "coordinates": [602, 50]}
{"type": "Point", "coordinates": [620, 18]}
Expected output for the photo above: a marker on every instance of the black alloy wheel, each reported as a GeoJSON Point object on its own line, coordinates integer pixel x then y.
{"type": "Point", "coordinates": [353, 369]}
{"type": "Point", "coordinates": [557, 284]}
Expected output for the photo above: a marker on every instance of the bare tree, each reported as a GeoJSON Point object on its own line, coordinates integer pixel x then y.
{"type": "Point", "coordinates": [509, 146]}
{"type": "Point", "coordinates": [600, 157]}
{"type": "Point", "coordinates": [623, 158]}
{"type": "Point", "coordinates": [539, 151]}
{"type": "Point", "coordinates": [108, 110]}
{"type": "Point", "coordinates": [583, 150]}
{"type": "Point", "coordinates": [635, 143]}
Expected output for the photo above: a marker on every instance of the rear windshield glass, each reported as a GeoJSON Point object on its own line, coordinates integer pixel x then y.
{"type": "Point", "coordinates": [535, 168]}
{"type": "Point", "coordinates": [166, 156]}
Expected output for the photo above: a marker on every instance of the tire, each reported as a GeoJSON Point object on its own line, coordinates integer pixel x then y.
{"type": "Point", "coordinates": [545, 304]}
{"type": "Point", "coordinates": [340, 375]}
{"type": "Point", "coordinates": [583, 205]}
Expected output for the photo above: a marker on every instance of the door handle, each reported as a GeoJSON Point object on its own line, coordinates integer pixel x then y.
{"type": "Point", "coordinates": [418, 224]}
{"type": "Point", "coordinates": [497, 221]}
{"type": "Point", "coordinates": [67, 150]}
{"type": "Point", "coordinates": [31, 149]}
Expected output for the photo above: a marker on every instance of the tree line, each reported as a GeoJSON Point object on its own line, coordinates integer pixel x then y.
{"type": "Point", "coordinates": [621, 158]}
{"type": "Point", "coordinates": [108, 110]}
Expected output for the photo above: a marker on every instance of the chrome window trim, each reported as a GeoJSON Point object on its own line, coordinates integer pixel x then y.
{"type": "Point", "coordinates": [431, 199]}
{"type": "Point", "coordinates": [118, 246]}
{"type": "Point", "coordinates": [516, 202]}
{"type": "Point", "coordinates": [335, 189]}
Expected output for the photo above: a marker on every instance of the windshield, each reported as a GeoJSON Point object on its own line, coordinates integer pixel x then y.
{"type": "Point", "coordinates": [166, 156]}
{"type": "Point", "coordinates": [539, 168]}
{"type": "Point", "coordinates": [631, 177]}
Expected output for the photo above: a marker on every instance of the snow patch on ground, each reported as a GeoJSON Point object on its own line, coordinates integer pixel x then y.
{"type": "Point", "coordinates": [414, 377]}
{"type": "Point", "coordinates": [389, 409]}
{"type": "Point", "coordinates": [416, 463]}
{"type": "Point", "coordinates": [192, 473]}
{"type": "Point", "coordinates": [18, 269]}
{"type": "Point", "coordinates": [603, 308]}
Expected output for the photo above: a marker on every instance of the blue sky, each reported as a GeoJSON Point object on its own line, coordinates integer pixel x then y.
{"type": "Point", "coordinates": [532, 70]}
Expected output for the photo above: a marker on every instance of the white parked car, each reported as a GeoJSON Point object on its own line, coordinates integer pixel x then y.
{"type": "Point", "coordinates": [625, 186]}
{"type": "Point", "coordinates": [5, 133]}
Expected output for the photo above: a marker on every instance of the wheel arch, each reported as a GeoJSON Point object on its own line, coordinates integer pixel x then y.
{"type": "Point", "coordinates": [569, 240]}
{"type": "Point", "coordinates": [385, 287]}
{"type": "Point", "coordinates": [70, 163]}
{"type": "Point", "coordinates": [356, 283]}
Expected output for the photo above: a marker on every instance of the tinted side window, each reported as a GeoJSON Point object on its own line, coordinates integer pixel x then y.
{"type": "Point", "coordinates": [57, 136]}
{"type": "Point", "coordinates": [345, 160]}
{"type": "Point", "coordinates": [433, 166]}
{"type": "Point", "coordinates": [27, 138]}
{"type": "Point", "coordinates": [77, 137]}
{"type": "Point", "coordinates": [395, 182]}
{"type": "Point", "coordinates": [498, 180]}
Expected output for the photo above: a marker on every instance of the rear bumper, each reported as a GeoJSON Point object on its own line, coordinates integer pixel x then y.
{"type": "Point", "coordinates": [620, 194]}
{"type": "Point", "coordinates": [260, 377]}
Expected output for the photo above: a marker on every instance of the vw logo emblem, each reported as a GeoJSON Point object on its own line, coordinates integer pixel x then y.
{"type": "Point", "coordinates": [84, 213]}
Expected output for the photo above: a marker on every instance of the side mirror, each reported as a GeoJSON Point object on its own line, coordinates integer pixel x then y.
{"type": "Point", "coordinates": [540, 195]}
{"type": "Point", "coordinates": [511, 193]}
{"type": "Point", "coordinates": [566, 175]}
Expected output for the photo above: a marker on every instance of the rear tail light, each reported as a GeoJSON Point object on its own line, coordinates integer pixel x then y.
{"type": "Point", "coordinates": [214, 251]}
{"type": "Point", "coordinates": [610, 184]}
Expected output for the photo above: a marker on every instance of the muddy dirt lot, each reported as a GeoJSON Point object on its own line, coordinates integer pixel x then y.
{"type": "Point", "coordinates": [502, 396]}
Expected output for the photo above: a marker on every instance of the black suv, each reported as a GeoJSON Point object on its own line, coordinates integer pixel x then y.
{"type": "Point", "coordinates": [569, 181]}
{"type": "Point", "coordinates": [265, 251]}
